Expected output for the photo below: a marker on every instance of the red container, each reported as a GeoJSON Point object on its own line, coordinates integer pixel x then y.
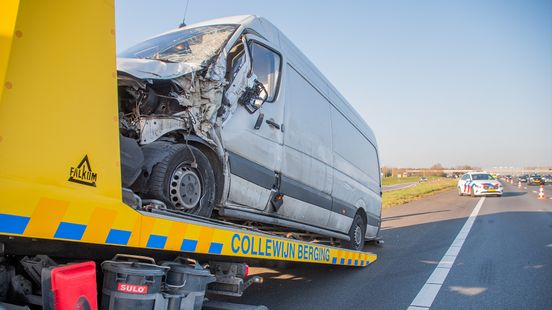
{"type": "Point", "coordinates": [73, 287]}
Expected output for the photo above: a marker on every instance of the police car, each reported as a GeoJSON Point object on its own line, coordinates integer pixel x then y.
{"type": "Point", "coordinates": [479, 184]}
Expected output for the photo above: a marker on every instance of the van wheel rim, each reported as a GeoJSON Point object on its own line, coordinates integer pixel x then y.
{"type": "Point", "coordinates": [357, 236]}
{"type": "Point", "coordinates": [185, 187]}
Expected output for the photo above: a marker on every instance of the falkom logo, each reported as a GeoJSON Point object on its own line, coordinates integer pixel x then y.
{"type": "Point", "coordinates": [83, 173]}
{"type": "Point", "coordinates": [132, 288]}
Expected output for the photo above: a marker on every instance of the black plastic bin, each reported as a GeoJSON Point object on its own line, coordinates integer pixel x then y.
{"type": "Point", "coordinates": [132, 283]}
{"type": "Point", "coordinates": [185, 284]}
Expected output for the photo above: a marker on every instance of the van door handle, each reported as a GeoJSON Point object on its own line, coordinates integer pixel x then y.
{"type": "Point", "coordinates": [272, 123]}
{"type": "Point", "coordinates": [259, 121]}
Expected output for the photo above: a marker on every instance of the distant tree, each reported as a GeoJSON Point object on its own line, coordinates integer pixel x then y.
{"type": "Point", "coordinates": [387, 171]}
{"type": "Point", "coordinates": [437, 170]}
{"type": "Point", "coordinates": [467, 167]}
{"type": "Point", "coordinates": [437, 167]}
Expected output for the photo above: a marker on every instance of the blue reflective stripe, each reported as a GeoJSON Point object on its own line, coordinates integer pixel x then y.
{"type": "Point", "coordinates": [117, 236]}
{"type": "Point", "coordinates": [215, 248]}
{"type": "Point", "coordinates": [334, 260]}
{"type": "Point", "coordinates": [156, 241]}
{"type": "Point", "coordinates": [188, 245]}
{"type": "Point", "coordinates": [71, 231]}
{"type": "Point", "coordinates": [13, 224]}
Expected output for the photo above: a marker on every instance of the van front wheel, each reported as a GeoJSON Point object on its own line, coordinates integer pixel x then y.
{"type": "Point", "coordinates": [184, 180]}
{"type": "Point", "coordinates": [357, 234]}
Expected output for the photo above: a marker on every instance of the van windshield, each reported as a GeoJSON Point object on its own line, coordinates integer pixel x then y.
{"type": "Point", "coordinates": [196, 45]}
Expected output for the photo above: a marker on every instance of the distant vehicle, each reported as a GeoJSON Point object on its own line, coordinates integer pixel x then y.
{"type": "Point", "coordinates": [479, 184]}
{"type": "Point", "coordinates": [522, 178]}
{"type": "Point", "coordinates": [535, 180]}
{"type": "Point", "coordinates": [423, 179]}
{"type": "Point", "coordinates": [547, 178]}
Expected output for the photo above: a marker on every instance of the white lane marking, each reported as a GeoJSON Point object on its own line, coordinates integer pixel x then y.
{"type": "Point", "coordinates": [429, 291]}
{"type": "Point", "coordinates": [535, 192]}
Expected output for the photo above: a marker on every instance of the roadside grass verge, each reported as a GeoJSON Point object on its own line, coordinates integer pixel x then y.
{"type": "Point", "coordinates": [395, 180]}
{"type": "Point", "coordinates": [421, 190]}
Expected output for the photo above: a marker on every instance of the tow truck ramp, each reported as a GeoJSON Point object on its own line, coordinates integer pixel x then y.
{"type": "Point", "coordinates": [186, 234]}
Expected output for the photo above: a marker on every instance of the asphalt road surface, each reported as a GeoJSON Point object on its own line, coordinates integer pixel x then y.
{"type": "Point", "coordinates": [395, 187]}
{"type": "Point", "coordinates": [443, 252]}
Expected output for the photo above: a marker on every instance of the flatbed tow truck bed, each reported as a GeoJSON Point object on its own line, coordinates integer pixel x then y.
{"type": "Point", "coordinates": [158, 231]}
{"type": "Point", "coordinates": [60, 179]}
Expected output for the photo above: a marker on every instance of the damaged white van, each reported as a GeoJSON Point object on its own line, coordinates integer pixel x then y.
{"type": "Point", "coordinates": [228, 116]}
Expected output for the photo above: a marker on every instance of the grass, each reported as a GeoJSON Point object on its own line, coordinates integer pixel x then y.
{"type": "Point", "coordinates": [402, 196]}
{"type": "Point", "coordinates": [395, 180]}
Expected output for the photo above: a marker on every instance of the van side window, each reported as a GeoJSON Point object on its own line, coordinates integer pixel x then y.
{"type": "Point", "coordinates": [466, 177]}
{"type": "Point", "coordinates": [266, 66]}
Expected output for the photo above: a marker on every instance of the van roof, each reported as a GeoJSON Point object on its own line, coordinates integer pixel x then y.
{"type": "Point", "coordinates": [238, 19]}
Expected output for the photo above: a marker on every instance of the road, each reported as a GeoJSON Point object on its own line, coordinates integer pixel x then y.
{"type": "Point", "coordinates": [395, 187]}
{"type": "Point", "coordinates": [501, 259]}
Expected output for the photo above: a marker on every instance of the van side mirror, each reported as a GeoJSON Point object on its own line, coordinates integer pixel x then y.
{"type": "Point", "coordinates": [254, 97]}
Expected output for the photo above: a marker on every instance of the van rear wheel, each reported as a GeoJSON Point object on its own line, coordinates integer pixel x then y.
{"type": "Point", "coordinates": [357, 234]}
{"type": "Point", "coordinates": [184, 180]}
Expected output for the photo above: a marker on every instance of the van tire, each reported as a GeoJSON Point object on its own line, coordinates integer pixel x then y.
{"type": "Point", "coordinates": [180, 184]}
{"type": "Point", "coordinates": [357, 234]}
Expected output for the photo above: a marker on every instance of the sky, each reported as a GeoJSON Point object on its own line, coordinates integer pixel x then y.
{"type": "Point", "coordinates": [449, 82]}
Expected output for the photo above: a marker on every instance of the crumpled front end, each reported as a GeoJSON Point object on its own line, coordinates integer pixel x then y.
{"type": "Point", "coordinates": [157, 99]}
{"type": "Point", "coordinates": [173, 83]}
{"type": "Point", "coordinates": [175, 95]}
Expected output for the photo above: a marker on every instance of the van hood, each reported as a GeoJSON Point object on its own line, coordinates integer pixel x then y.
{"type": "Point", "coordinates": [151, 69]}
